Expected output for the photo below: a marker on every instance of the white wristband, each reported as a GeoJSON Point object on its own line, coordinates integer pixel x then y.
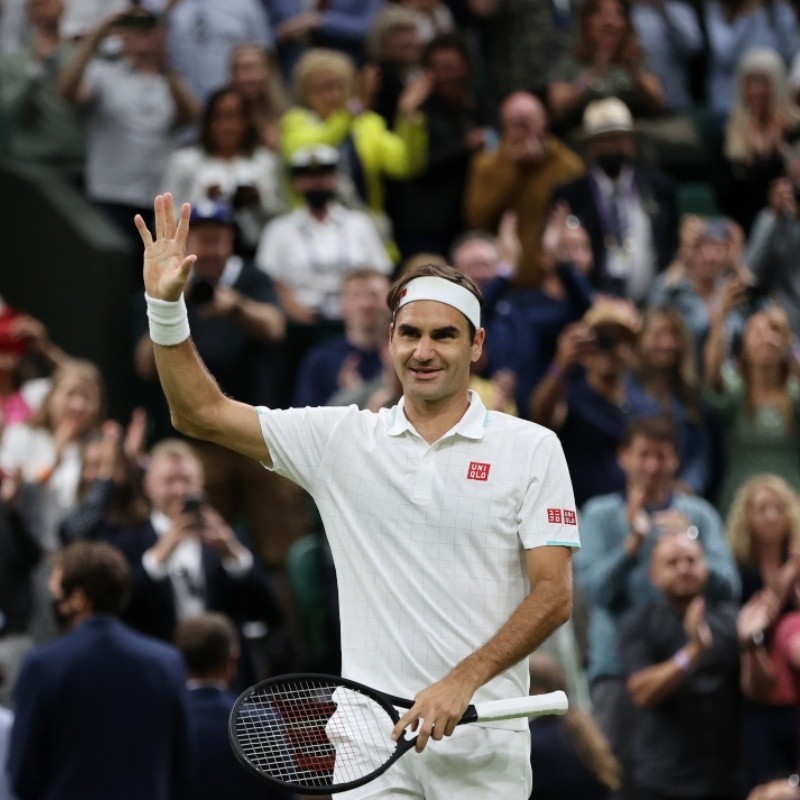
{"type": "Point", "coordinates": [169, 322]}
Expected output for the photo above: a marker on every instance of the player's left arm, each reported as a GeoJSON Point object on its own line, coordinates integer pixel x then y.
{"type": "Point", "coordinates": [439, 707]}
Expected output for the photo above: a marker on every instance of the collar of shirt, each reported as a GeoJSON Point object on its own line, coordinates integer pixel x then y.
{"type": "Point", "coordinates": [471, 426]}
{"type": "Point", "coordinates": [231, 271]}
{"type": "Point", "coordinates": [335, 216]}
{"type": "Point", "coordinates": [623, 184]}
{"type": "Point", "coordinates": [160, 522]}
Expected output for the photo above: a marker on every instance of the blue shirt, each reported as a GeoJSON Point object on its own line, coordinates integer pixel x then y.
{"type": "Point", "coordinates": [614, 582]}
{"type": "Point", "coordinates": [318, 377]}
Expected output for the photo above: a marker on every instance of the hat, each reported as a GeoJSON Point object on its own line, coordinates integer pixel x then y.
{"type": "Point", "coordinates": [716, 228]}
{"type": "Point", "coordinates": [211, 211]}
{"type": "Point", "coordinates": [610, 313]}
{"type": "Point", "coordinates": [319, 158]}
{"type": "Point", "coordinates": [609, 115]}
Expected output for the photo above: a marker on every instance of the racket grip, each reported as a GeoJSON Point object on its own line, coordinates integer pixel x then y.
{"type": "Point", "coordinates": [536, 705]}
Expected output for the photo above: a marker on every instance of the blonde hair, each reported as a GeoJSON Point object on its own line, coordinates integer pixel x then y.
{"type": "Point", "coordinates": [174, 448]}
{"type": "Point", "coordinates": [738, 522]}
{"type": "Point", "coordinates": [589, 741]}
{"type": "Point", "coordinates": [390, 19]}
{"type": "Point", "coordinates": [320, 60]}
{"type": "Point", "coordinates": [82, 369]}
{"type": "Point", "coordinates": [684, 379]}
{"type": "Point", "coordinates": [758, 61]}
{"type": "Point", "coordinates": [779, 322]}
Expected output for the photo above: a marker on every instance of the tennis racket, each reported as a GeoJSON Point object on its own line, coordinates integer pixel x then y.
{"type": "Point", "coordinates": [319, 734]}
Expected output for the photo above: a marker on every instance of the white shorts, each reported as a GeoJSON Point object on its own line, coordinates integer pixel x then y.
{"type": "Point", "coordinates": [475, 763]}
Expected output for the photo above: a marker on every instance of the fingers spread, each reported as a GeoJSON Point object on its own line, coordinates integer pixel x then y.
{"type": "Point", "coordinates": [158, 208]}
{"type": "Point", "coordinates": [169, 216]}
{"type": "Point", "coordinates": [147, 239]}
{"type": "Point", "coordinates": [183, 225]}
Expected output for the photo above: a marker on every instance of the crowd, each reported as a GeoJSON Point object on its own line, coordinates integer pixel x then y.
{"type": "Point", "coordinates": [547, 151]}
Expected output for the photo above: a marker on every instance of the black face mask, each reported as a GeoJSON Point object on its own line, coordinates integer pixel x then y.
{"type": "Point", "coordinates": [612, 164]}
{"type": "Point", "coordinates": [317, 199]}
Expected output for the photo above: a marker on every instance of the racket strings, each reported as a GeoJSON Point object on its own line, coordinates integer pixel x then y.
{"type": "Point", "coordinates": [313, 733]}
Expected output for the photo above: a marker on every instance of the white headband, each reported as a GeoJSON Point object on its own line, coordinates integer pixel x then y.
{"type": "Point", "coordinates": [443, 291]}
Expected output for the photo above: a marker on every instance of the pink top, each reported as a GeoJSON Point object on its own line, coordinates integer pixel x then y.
{"type": "Point", "coordinates": [14, 408]}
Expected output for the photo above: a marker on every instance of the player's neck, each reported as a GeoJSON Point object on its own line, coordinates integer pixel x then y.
{"type": "Point", "coordinates": [432, 419]}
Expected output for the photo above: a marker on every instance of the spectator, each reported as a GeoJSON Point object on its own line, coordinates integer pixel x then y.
{"type": "Point", "coordinates": [669, 33]}
{"type": "Point", "coordinates": [764, 531]}
{"type": "Point", "coordinates": [620, 532]}
{"type": "Point", "coordinates": [328, 113]}
{"type": "Point", "coordinates": [757, 403]}
{"type": "Point", "coordinates": [521, 42]}
{"type": "Point", "coordinates": [606, 61]}
{"type": "Point", "coordinates": [429, 211]}
{"type": "Point", "coordinates": [696, 287]}
{"type": "Point", "coordinates": [590, 408]}
{"type": "Point", "coordinates": [772, 250]}
{"type": "Point", "coordinates": [569, 754]}
{"type": "Point", "coordinates": [680, 652]}
{"type": "Point", "coordinates": [733, 27]}
{"type": "Point", "coordinates": [45, 129]}
{"type": "Point", "coordinates": [255, 74]}
{"type": "Point", "coordinates": [20, 552]}
{"type": "Point", "coordinates": [666, 370]}
{"type": "Point", "coordinates": [110, 490]}
{"type": "Point", "coordinates": [338, 25]}
{"type": "Point", "coordinates": [202, 37]}
{"type": "Point", "coordinates": [229, 165]}
{"type": "Point", "coordinates": [355, 356]}
{"type": "Point", "coordinates": [522, 335]}
{"type": "Point", "coordinates": [307, 251]}
{"type": "Point", "coordinates": [209, 645]}
{"type": "Point", "coordinates": [629, 210]}
{"type": "Point", "coordinates": [435, 18]}
{"type": "Point", "coordinates": [122, 724]}
{"type": "Point", "coordinates": [135, 106]}
{"type": "Point", "coordinates": [185, 558]}
{"type": "Point", "coordinates": [237, 324]}
{"type": "Point", "coordinates": [394, 46]}
{"type": "Point", "coordinates": [761, 126]}
{"type": "Point", "coordinates": [520, 176]}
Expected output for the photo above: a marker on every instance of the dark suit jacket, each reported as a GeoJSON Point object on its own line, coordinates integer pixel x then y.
{"type": "Point", "coordinates": [101, 714]}
{"type": "Point", "coordinates": [217, 774]}
{"type": "Point", "coordinates": [657, 195]}
{"type": "Point", "coordinates": [152, 606]}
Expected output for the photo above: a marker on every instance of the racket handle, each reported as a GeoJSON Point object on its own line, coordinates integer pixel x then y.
{"type": "Point", "coordinates": [536, 705]}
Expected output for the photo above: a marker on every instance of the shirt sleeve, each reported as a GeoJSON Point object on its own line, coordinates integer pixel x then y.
{"type": "Point", "coordinates": [297, 437]}
{"type": "Point", "coordinates": [548, 515]}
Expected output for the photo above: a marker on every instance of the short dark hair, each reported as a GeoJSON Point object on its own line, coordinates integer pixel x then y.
{"type": "Point", "coordinates": [100, 571]}
{"type": "Point", "coordinates": [432, 271]}
{"type": "Point", "coordinates": [446, 41]}
{"type": "Point", "coordinates": [659, 428]}
{"type": "Point", "coordinates": [206, 643]}
{"type": "Point", "coordinates": [251, 135]}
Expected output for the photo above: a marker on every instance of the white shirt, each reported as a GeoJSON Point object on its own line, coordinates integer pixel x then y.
{"type": "Point", "coordinates": [428, 540]}
{"type": "Point", "coordinates": [311, 257]}
{"type": "Point", "coordinates": [6, 721]}
{"type": "Point", "coordinates": [184, 568]}
{"type": "Point", "coordinates": [131, 133]}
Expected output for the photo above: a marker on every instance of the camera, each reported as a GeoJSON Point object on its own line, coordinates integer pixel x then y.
{"type": "Point", "coordinates": [606, 340]}
{"type": "Point", "coordinates": [193, 504]}
{"type": "Point", "coordinates": [200, 293]}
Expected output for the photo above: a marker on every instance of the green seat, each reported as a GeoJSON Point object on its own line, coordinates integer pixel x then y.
{"type": "Point", "coordinates": [697, 198]}
{"type": "Point", "coordinates": [305, 563]}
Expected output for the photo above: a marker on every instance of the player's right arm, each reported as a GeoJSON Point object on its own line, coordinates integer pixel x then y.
{"type": "Point", "coordinates": [197, 406]}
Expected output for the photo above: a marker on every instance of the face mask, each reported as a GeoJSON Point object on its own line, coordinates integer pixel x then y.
{"type": "Point", "coordinates": [317, 199]}
{"type": "Point", "coordinates": [612, 163]}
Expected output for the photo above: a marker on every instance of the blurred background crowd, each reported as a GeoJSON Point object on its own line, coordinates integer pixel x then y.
{"type": "Point", "coordinates": [621, 178]}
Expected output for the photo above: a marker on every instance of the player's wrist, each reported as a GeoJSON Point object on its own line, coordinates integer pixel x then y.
{"type": "Point", "coordinates": [168, 321]}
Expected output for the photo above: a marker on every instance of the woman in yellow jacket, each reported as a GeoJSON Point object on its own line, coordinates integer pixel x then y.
{"type": "Point", "coordinates": [327, 112]}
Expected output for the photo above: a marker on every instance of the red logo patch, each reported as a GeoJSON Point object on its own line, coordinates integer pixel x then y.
{"type": "Point", "coordinates": [570, 518]}
{"type": "Point", "coordinates": [478, 471]}
{"type": "Point", "coordinates": [554, 515]}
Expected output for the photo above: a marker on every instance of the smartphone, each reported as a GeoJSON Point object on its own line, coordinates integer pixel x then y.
{"type": "Point", "coordinates": [138, 22]}
{"type": "Point", "coordinates": [193, 505]}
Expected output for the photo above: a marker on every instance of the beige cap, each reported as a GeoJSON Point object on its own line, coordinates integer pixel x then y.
{"type": "Point", "coordinates": [609, 115]}
{"type": "Point", "coordinates": [612, 313]}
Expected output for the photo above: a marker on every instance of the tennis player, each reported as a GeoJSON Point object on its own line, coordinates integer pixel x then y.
{"type": "Point", "coordinates": [451, 527]}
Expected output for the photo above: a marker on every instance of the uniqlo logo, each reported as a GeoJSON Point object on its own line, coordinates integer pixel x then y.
{"type": "Point", "coordinates": [478, 471]}
{"type": "Point", "coordinates": [554, 515]}
{"type": "Point", "coordinates": [569, 517]}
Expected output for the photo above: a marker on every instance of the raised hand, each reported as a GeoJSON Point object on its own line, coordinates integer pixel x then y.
{"type": "Point", "coordinates": [166, 265]}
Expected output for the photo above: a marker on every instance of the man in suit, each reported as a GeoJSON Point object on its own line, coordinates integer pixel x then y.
{"type": "Point", "coordinates": [629, 210]}
{"type": "Point", "coordinates": [210, 648]}
{"type": "Point", "coordinates": [101, 713]}
{"type": "Point", "coordinates": [185, 558]}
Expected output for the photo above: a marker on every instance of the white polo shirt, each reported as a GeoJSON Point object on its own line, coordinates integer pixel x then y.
{"type": "Point", "coordinates": [428, 540]}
